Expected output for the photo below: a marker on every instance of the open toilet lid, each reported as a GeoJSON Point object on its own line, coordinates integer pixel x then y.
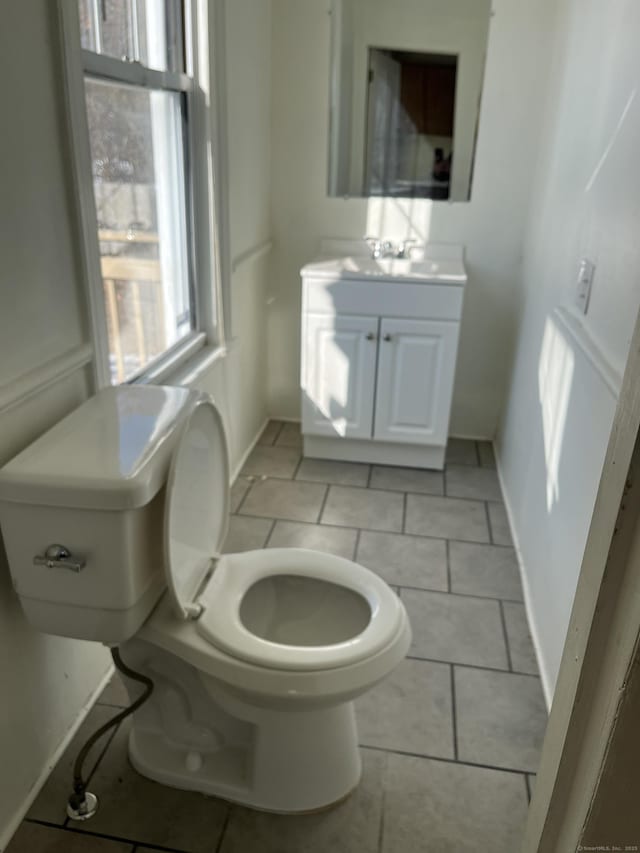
{"type": "Point", "coordinates": [197, 504]}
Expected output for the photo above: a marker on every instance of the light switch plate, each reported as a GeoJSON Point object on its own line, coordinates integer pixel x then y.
{"type": "Point", "coordinates": [585, 280]}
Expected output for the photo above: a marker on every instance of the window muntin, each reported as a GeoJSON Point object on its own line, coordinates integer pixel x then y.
{"type": "Point", "coordinates": [146, 31]}
{"type": "Point", "coordinates": [137, 121]}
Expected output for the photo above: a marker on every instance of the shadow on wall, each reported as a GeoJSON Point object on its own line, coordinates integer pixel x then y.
{"type": "Point", "coordinates": [560, 469]}
{"type": "Point", "coordinates": [408, 219]}
{"type": "Point", "coordinates": [554, 484]}
{"type": "Point", "coordinates": [333, 405]}
{"type": "Point", "coordinates": [555, 377]}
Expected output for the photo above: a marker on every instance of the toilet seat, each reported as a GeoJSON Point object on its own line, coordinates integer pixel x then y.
{"type": "Point", "coordinates": [196, 515]}
{"type": "Point", "coordinates": [288, 609]}
{"type": "Point", "coordinates": [221, 620]}
{"type": "Point", "coordinates": [269, 685]}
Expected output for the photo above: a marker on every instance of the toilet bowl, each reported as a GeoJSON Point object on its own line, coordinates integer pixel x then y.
{"type": "Point", "coordinates": [256, 657]}
{"type": "Point", "coordinates": [257, 707]}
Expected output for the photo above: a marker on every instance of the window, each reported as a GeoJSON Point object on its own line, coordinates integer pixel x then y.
{"type": "Point", "coordinates": [135, 59]}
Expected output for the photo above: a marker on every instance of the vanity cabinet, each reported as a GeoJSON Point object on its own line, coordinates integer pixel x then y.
{"type": "Point", "coordinates": [416, 365]}
{"type": "Point", "coordinates": [378, 363]}
{"type": "Point", "coordinates": [340, 356]}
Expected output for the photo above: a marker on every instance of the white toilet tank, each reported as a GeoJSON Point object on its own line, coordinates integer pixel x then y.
{"type": "Point", "coordinates": [95, 484]}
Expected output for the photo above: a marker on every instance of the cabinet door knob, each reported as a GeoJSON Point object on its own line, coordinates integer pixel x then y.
{"type": "Point", "coordinates": [387, 337]}
{"type": "Point", "coordinates": [370, 336]}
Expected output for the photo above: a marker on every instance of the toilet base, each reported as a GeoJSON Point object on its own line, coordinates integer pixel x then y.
{"type": "Point", "coordinates": [194, 735]}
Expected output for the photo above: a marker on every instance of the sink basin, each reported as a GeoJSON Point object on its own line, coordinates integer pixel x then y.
{"type": "Point", "coordinates": [427, 270]}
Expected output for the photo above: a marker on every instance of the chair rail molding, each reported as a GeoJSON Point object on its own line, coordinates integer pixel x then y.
{"type": "Point", "coordinates": [251, 254]}
{"type": "Point", "coordinates": [33, 381]}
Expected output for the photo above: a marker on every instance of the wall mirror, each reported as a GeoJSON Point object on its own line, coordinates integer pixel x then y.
{"type": "Point", "coordinates": [405, 93]}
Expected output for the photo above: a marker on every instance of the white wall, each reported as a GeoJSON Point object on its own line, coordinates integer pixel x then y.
{"type": "Point", "coordinates": [45, 371]}
{"type": "Point", "coordinates": [239, 382]}
{"type": "Point", "coordinates": [490, 226]}
{"type": "Point", "coordinates": [563, 388]}
{"type": "Point", "coordinates": [45, 681]}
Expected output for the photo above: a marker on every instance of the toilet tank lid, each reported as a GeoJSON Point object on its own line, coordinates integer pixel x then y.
{"type": "Point", "coordinates": [113, 452]}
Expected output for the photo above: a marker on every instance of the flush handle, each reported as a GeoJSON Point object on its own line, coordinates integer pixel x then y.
{"type": "Point", "coordinates": [59, 557]}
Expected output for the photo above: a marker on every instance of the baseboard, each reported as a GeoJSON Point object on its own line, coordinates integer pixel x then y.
{"type": "Point", "coordinates": [547, 689]}
{"type": "Point", "coordinates": [374, 452]}
{"type": "Point", "coordinates": [284, 418]}
{"type": "Point", "coordinates": [466, 437]}
{"type": "Point", "coordinates": [9, 831]}
{"type": "Point", "coordinates": [245, 455]}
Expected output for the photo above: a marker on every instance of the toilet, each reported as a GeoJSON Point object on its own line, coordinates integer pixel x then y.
{"type": "Point", "coordinates": [113, 523]}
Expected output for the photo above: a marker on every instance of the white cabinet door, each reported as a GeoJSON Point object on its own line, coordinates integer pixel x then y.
{"type": "Point", "coordinates": [416, 369]}
{"type": "Point", "coordinates": [338, 375]}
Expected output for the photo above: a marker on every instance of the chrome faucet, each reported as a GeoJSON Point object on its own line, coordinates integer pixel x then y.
{"type": "Point", "coordinates": [403, 249]}
{"type": "Point", "coordinates": [387, 249]}
{"type": "Point", "coordinates": [380, 248]}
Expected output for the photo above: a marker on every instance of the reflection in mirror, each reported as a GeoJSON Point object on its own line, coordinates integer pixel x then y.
{"type": "Point", "coordinates": [406, 82]}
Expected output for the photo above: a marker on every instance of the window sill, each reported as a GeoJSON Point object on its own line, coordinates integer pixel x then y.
{"type": "Point", "coordinates": [192, 370]}
{"type": "Point", "coordinates": [184, 364]}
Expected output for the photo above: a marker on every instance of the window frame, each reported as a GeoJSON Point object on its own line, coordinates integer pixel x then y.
{"type": "Point", "coordinates": [205, 210]}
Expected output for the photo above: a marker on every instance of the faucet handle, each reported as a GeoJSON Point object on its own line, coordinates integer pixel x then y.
{"type": "Point", "coordinates": [375, 245]}
{"type": "Point", "coordinates": [403, 249]}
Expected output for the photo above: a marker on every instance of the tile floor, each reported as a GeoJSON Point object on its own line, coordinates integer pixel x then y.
{"type": "Point", "coordinates": [450, 741]}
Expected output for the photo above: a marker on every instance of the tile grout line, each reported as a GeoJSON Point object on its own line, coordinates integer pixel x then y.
{"type": "Point", "coordinates": [109, 705]}
{"type": "Point", "coordinates": [488, 515]}
{"type": "Point", "coordinates": [459, 463]}
{"type": "Point", "coordinates": [404, 752]}
{"type": "Point", "coordinates": [297, 468]}
{"type": "Point", "coordinates": [381, 488]}
{"type": "Point", "coordinates": [460, 594]}
{"type": "Point", "coordinates": [277, 435]}
{"type": "Point", "coordinates": [48, 823]}
{"type": "Point", "coordinates": [448, 564]}
{"type": "Point", "coordinates": [382, 811]}
{"type": "Point", "coordinates": [323, 505]}
{"type": "Point", "coordinates": [360, 530]}
{"type": "Point", "coordinates": [527, 786]}
{"type": "Point", "coordinates": [225, 825]}
{"type": "Point", "coordinates": [405, 498]}
{"type": "Point", "coordinates": [454, 713]}
{"type": "Point", "coordinates": [270, 533]}
{"type": "Point", "coordinates": [478, 457]}
{"type": "Point", "coordinates": [476, 666]}
{"type": "Point", "coordinates": [369, 476]}
{"type": "Point", "coordinates": [244, 497]}
{"type": "Point", "coordinates": [356, 545]}
{"type": "Point", "coordinates": [505, 635]}
{"type": "Point", "coordinates": [87, 833]}
{"type": "Point", "coordinates": [375, 530]}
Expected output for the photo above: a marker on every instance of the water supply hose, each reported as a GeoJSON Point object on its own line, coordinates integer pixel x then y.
{"type": "Point", "coordinates": [82, 804]}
